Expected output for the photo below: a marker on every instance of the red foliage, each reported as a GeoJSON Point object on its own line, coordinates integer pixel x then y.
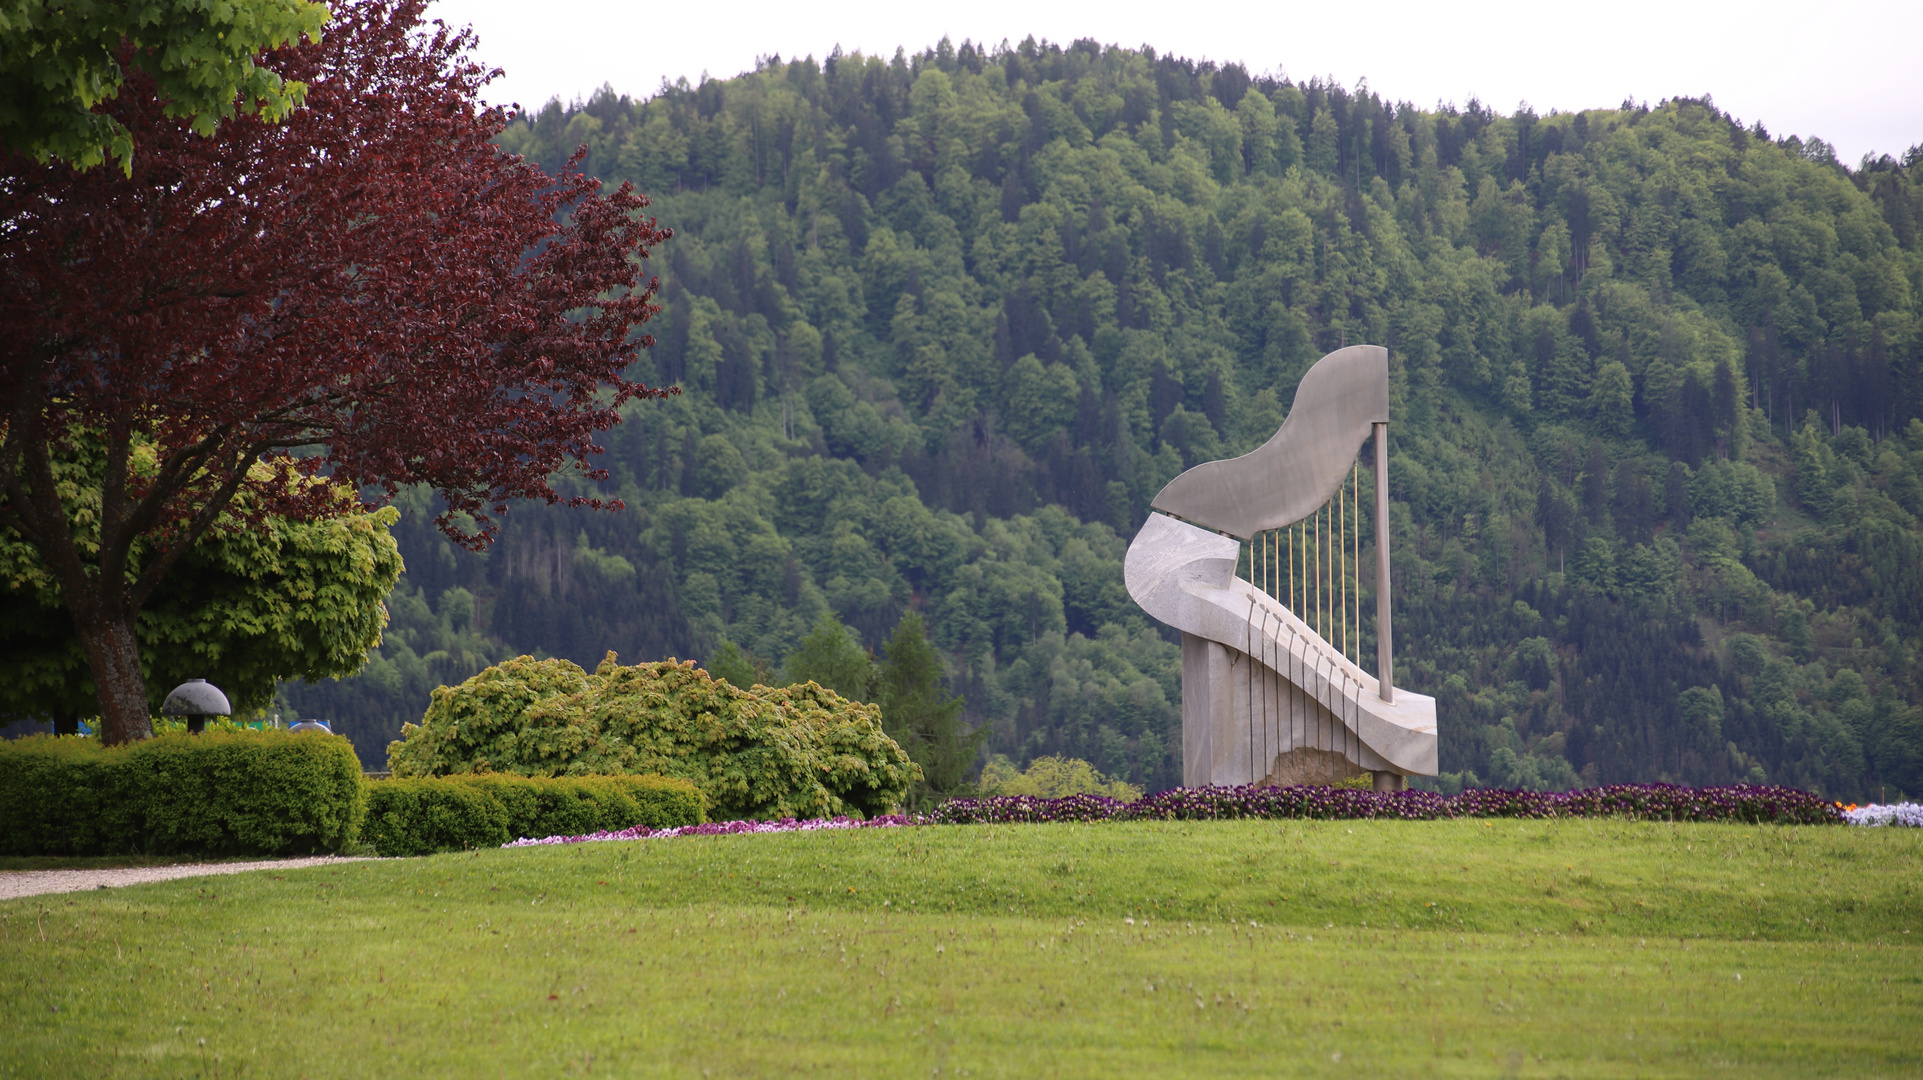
{"type": "Point", "coordinates": [371, 286]}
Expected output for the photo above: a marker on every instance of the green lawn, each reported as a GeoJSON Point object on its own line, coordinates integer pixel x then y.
{"type": "Point", "coordinates": [1460, 948]}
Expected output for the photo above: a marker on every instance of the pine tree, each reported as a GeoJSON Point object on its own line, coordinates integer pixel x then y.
{"type": "Point", "coordinates": [1635, 504]}
{"type": "Point", "coordinates": [1723, 408]}
{"type": "Point", "coordinates": [1595, 483]}
{"type": "Point", "coordinates": [1676, 495]}
{"type": "Point", "coordinates": [918, 714]}
{"type": "Point", "coordinates": [1553, 513]}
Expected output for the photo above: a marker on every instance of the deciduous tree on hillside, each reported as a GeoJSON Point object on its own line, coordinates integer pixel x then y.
{"type": "Point", "coordinates": [832, 657]}
{"type": "Point", "coordinates": [369, 291]}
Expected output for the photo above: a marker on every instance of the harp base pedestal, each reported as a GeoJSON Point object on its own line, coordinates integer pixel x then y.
{"type": "Point", "coordinates": [1242, 723]}
{"type": "Point", "coordinates": [1259, 684]}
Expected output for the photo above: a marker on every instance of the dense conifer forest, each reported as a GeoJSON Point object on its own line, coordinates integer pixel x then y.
{"type": "Point", "coordinates": [946, 322]}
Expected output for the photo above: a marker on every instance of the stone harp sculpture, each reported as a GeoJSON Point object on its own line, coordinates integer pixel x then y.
{"type": "Point", "coordinates": [1256, 560]}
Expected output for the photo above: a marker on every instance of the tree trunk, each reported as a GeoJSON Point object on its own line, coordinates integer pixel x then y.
{"type": "Point", "coordinates": [113, 652]}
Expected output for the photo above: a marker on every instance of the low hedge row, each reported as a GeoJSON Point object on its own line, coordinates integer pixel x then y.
{"type": "Point", "coordinates": [451, 813]}
{"type": "Point", "coordinates": [220, 793]}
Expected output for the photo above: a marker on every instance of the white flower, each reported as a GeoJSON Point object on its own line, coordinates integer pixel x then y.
{"type": "Point", "coordinates": [1906, 815]}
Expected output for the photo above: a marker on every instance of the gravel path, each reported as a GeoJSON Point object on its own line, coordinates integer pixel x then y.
{"type": "Point", "coordinates": [17, 883]}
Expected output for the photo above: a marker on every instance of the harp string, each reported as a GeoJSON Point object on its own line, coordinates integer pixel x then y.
{"type": "Point", "coordinates": [1355, 556]}
{"type": "Point", "coordinates": [1312, 567]}
{"type": "Point", "coordinates": [1341, 551]}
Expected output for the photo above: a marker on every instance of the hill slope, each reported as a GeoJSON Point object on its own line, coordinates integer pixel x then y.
{"type": "Point", "coordinates": [945, 324]}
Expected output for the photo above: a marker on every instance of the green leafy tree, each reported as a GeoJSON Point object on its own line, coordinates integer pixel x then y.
{"type": "Point", "coordinates": [920, 714]}
{"type": "Point", "coordinates": [1052, 777]}
{"type": "Point", "coordinates": [732, 665]}
{"type": "Point", "coordinates": [60, 58]}
{"type": "Point", "coordinates": [1612, 399]}
{"type": "Point", "coordinates": [831, 657]}
{"type": "Point", "coordinates": [1815, 465]}
{"type": "Point", "coordinates": [428, 642]}
{"type": "Point", "coordinates": [249, 605]}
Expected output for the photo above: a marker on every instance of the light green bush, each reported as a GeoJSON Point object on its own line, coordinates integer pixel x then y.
{"type": "Point", "coordinates": [797, 751]}
{"type": "Point", "coordinates": [1052, 777]}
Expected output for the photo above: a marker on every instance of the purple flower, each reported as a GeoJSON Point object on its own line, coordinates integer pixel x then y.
{"type": "Point", "coordinates": [1649, 802]}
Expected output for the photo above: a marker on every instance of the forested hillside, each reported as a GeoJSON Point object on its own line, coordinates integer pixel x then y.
{"type": "Point", "coordinates": [945, 323]}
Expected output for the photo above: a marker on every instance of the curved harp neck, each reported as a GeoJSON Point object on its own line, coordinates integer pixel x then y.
{"type": "Point", "coordinates": [1298, 470]}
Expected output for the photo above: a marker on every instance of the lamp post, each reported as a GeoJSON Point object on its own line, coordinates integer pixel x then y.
{"type": "Point", "coordinates": [196, 699]}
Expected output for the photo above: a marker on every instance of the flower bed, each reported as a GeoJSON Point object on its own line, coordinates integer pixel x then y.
{"type": "Point", "coordinates": [1903, 815]}
{"type": "Point", "coordinates": [1033, 809]}
{"type": "Point", "coordinates": [1752, 803]}
{"type": "Point", "coordinates": [723, 828]}
{"type": "Point", "coordinates": [1749, 803]}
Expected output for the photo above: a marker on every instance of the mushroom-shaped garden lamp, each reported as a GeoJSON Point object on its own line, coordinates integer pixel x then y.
{"type": "Point", "coordinates": [196, 699]}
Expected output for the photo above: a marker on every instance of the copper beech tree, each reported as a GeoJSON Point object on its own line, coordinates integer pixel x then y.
{"type": "Point", "coordinates": [364, 295]}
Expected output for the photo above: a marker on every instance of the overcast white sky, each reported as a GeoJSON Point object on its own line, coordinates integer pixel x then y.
{"type": "Point", "coordinates": [1850, 71]}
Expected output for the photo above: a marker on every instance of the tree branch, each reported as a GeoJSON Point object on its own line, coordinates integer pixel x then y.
{"type": "Point", "coordinates": [151, 575]}
{"type": "Point", "coordinates": [54, 538]}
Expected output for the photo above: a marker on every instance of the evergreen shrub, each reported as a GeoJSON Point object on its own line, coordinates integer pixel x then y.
{"type": "Point", "coordinates": [219, 793]}
{"type": "Point", "coordinates": [419, 816]}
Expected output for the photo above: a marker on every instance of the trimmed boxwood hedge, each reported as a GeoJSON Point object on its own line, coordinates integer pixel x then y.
{"type": "Point", "coordinates": [418, 817]}
{"type": "Point", "coordinates": [450, 813]}
{"type": "Point", "coordinates": [220, 793]}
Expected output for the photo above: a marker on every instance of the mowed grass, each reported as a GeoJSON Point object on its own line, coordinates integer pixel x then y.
{"type": "Point", "coordinates": [1463, 948]}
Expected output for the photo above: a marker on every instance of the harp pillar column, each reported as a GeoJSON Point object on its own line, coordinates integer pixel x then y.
{"type": "Point", "coordinates": [1209, 735]}
{"type": "Point", "coordinates": [1384, 631]}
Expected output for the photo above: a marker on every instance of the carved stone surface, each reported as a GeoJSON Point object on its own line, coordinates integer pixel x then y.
{"type": "Point", "coordinates": [1285, 479]}
{"type": "Point", "coordinates": [1257, 683]}
{"type": "Point", "coordinates": [1307, 765]}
